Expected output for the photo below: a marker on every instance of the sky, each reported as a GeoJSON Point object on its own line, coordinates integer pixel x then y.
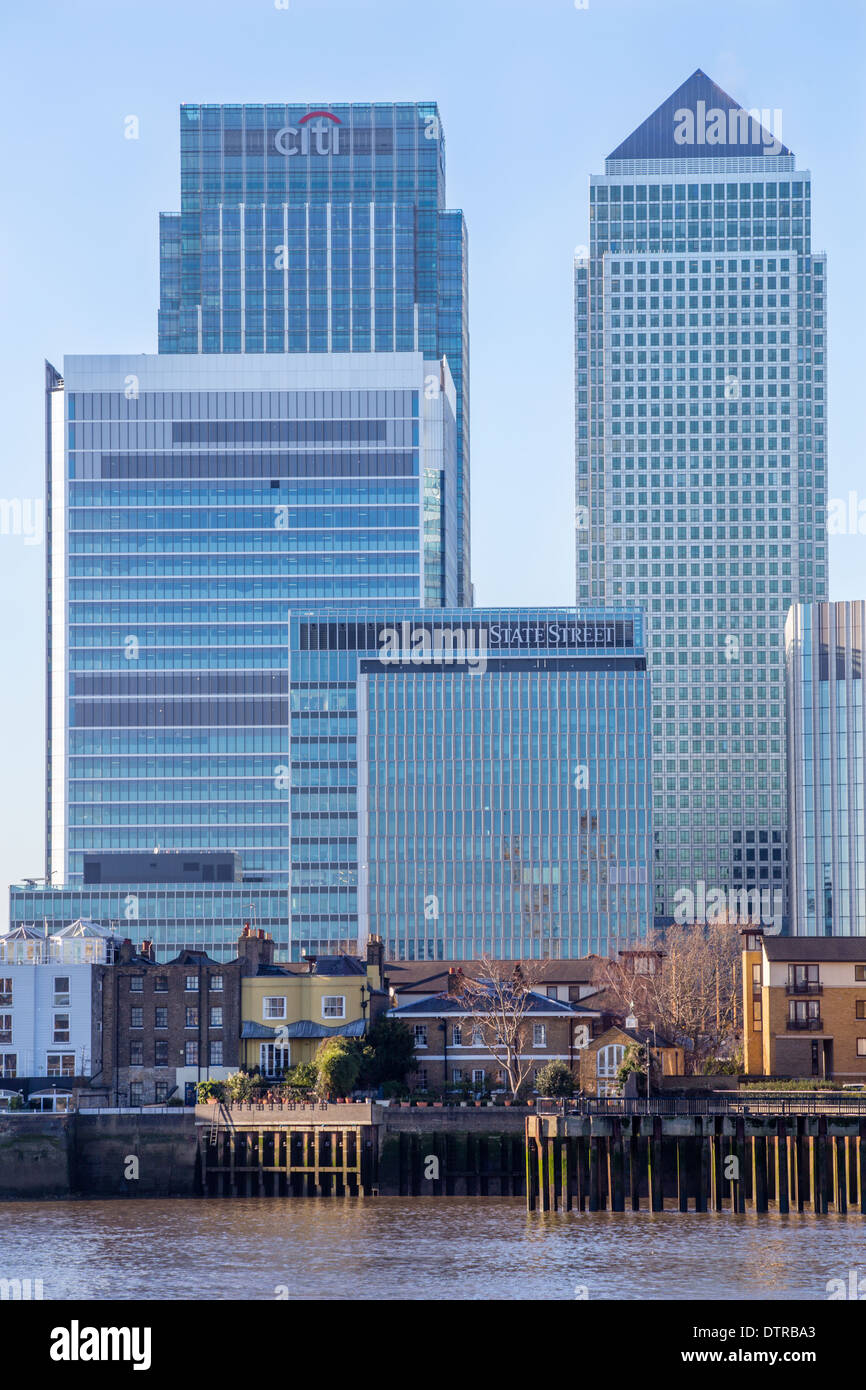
{"type": "Point", "coordinates": [533, 95]}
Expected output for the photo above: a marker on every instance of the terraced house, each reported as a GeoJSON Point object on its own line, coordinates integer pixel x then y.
{"type": "Point", "coordinates": [804, 1006]}
{"type": "Point", "coordinates": [288, 1010]}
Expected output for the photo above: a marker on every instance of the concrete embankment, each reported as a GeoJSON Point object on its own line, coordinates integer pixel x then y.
{"type": "Point", "coordinates": [98, 1155]}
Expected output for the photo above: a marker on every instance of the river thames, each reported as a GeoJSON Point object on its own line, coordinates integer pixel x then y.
{"type": "Point", "coordinates": [393, 1248]}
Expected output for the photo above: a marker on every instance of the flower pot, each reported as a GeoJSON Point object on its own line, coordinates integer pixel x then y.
{"type": "Point", "coordinates": [507, 1102]}
{"type": "Point", "coordinates": [477, 1103]}
{"type": "Point", "coordinates": [437, 1104]}
{"type": "Point", "coordinates": [422, 1104]}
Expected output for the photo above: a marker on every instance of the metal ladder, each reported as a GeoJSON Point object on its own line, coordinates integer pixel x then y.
{"type": "Point", "coordinates": [215, 1124]}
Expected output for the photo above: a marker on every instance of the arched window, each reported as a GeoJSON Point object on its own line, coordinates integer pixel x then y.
{"type": "Point", "coordinates": [608, 1062]}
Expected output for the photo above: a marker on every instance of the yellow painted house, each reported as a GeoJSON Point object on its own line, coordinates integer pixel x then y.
{"type": "Point", "coordinates": [287, 1010]}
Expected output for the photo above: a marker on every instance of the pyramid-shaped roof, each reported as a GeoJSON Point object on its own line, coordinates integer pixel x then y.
{"type": "Point", "coordinates": [23, 933]}
{"type": "Point", "coordinates": [82, 927]}
{"type": "Point", "coordinates": [707, 132]}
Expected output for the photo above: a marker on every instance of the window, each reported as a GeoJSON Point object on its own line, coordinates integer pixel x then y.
{"type": "Point", "coordinates": [802, 978]}
{"type": "Point", "coordinates": [191, 982]}
{"type": "Point", "coordinates": [61, 1028]}
{"type": "Point", "coordinates": [215, 1053]}
{"type": "Point", "coordinates": [860, 973]}
{"type": "Point", "coordinates": [457, 1075]}
{"type": "Point", "coordinates": [136, 984]}
{"type": "Point", "coordinates": [421, 1078]}
{"type": "Point", "coordinates": [6, 992]}
{"type": "Point", "coordinates": [60, 1064]}
{"type": "Point", "coordinates": [190, 1054]}
{"type": "Point", "coordinates": [191, 1015]}
{"type": "Point", "coordinates": [607, 1063]}
{"type": "Point", "coordinates": [5, 1028]}
{"type": "Point", "coordinates": [136, 1092]}
{"type": "Point", "coordinates": [456, 1035]}
{"type": "Point", "coordinates": [274, 1006]}
{"type": "Point", "coordinates": [334, 1006]}
{"type": "Point", "coordinates": [539, 1035]}
{"type": "Point", "coordinates": [757, 976]}
{"type": "Point", "coordinates": [61, 991]}
{"type": "Point", "coordinates": [160, 1016]}
{"type": "Point", "coordinates": [136, 1054]}
{"type": "Point", "coordinates": [160, 1053]}
{"type": "Point", "coordinates": [757, 1015]}
{"type": "Point", "coordinates": [478, 1076]}
{"type": "Point", "coordinates": [477, 1037]}
{"type": "Point", "coordinates": [273, 1060]}
{"type": "Point", "coordinates": [861, 1008]}
{"type": "Point", "coordinates": [552, 992]}
{"type": "Point", "coordinates": [136, 1018]}
{"type": "Point", "coordinates": [216, 982]}
{"type": "Point", "coordinates": [160, 984]}
{"type": "Point", "coordinates": [420, 1033]}
{"type": "Point", "coordinates": [160, 1092]}
{"type": "Point", "coordinates": [216, 1017]}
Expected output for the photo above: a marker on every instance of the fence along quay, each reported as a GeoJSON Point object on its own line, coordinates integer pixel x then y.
{"type": "Point", "coordinates": [784, 1152]}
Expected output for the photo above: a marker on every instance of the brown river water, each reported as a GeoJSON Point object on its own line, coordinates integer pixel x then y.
{"type": "Point", "coordinates": [393, 1248]}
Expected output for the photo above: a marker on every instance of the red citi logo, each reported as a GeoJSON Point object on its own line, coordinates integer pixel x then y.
{"type": "Point", "coordinates": [312, 135]}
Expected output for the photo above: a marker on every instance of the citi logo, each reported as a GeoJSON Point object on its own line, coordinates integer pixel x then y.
{"type": "Point", "coordinates": [76, 1343]}
{"type": "Point", "coordinates": [733, 127]}
{"type": "Point", "coordinates": [312, 135]}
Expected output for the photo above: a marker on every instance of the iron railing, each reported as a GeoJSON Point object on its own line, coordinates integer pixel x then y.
{"type": "Point", "coordinates": [754, 1103]}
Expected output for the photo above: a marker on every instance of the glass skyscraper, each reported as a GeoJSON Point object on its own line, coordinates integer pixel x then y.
{"type": "Point", "coordinates": [470, 781]}
{"type": "Point", "coordinates": [192, 502]}
{"type": "Point", "coordinates": [315, 228]}
{"type": "Point", "coordinates": [700, 347]}
{"type": "Point", "coordinates": [824, 644]}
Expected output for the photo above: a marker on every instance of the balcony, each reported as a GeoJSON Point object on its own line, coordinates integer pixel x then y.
{"type": "Point", "coordinates": [804, 987]}
{"type": "Point", "coordinates": [805, 1025]}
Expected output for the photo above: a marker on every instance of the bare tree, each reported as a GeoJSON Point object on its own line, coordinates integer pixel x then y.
{"type": "Point", "coordinates": [690, 990]}
{"type": "Point", "coordinates": [498, 1005]}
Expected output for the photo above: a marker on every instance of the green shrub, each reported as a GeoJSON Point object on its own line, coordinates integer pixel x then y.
{"type": "Point", "coordinates": [556, 1079]}
{"type": "Point", "coordinates": [338, 1062]}
{"type": "Point", "coordinates": [208, 1089]}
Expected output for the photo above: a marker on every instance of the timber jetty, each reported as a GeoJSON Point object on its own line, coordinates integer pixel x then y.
{"type": "Point", "coordinates": [778, 1151]}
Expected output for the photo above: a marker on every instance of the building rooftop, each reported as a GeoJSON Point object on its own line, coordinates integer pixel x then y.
{"type": "Point", "coordinates": [654, 137]}
{"type": "Point", "coordinates": [806, 948]}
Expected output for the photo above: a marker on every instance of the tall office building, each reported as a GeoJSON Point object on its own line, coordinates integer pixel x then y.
{"type": "Point", "coordinates": [470, 782]}
{"type": "Point", "coordinates": [824, 645]}
{"type": "Point", "coordinates": [192, 502]}
{"type": "Point", "coordinates": [700, 345]}
{"type": "Point", "coordinates": [316, 229]}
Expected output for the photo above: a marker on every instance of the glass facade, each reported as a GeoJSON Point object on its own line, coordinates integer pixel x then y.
{"type": "Point", "coordinates": [315, 229]}
{"type": "Point", "coordinates": [474, 783]}
{"type": "Point", "coordinates": [190, 510]}
{"type": "Point", "coordinates": [824, 644]}
{"type": "Point", "coordinates": [700, 361]}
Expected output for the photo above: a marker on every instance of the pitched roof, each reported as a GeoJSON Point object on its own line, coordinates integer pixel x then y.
{"type": "Point", "coordinates": [412, 977]}
{"type": "Point", "coordinates": [305, 1028]}
{"type": "Point", "coordinates": [654, 137]}
{"type": "Point", "coordinates": [817, 948]}
{"type": "Point", "coordinates": [455, 1004]}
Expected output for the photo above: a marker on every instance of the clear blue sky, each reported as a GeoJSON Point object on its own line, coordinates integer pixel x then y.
{"type": "Point", "coordinates": [533, 96]}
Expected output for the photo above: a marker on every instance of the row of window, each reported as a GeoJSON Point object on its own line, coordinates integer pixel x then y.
{"type": "Point", "coordinates": [461, 1035]}
{"type": "Point", "coordinates": [274, 1006]}
{"type": "Point", "coordinates": [160, 983]}
{"type": "Point", "coordinates": [191, 1017]}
